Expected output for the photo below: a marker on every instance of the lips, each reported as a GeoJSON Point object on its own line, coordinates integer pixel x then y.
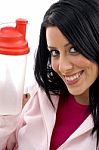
{"type": "Point", "coordinates": [72, 79]}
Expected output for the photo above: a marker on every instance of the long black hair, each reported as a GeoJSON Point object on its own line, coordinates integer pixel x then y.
{"type": "Point", "coordinates": [78, 20]}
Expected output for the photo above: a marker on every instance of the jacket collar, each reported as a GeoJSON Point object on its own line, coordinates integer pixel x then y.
{"type": "Point", "coordinates": [49, 117]}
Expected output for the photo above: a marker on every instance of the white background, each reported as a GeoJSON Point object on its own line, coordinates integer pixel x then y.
{"type": "Point", "coordinates": [33, 11]}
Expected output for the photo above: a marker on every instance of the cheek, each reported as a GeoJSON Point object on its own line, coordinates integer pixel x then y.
{"type": "Point", "coordinates": [81, 62]}
{"type": "Point", "coordinates": [88, 66]}
{"type": "Point", "coordinates": [54, 65]}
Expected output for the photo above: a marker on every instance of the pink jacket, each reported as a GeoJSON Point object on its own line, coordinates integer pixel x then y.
{"type": "Point", "coordinates": [32, 129]}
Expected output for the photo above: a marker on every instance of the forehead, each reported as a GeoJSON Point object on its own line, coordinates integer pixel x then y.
{"type": "Point", "coordinates": [55, 37]}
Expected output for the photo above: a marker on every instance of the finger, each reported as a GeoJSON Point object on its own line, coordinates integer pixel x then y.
{"type": "Point", "coordinates": [26, 97]}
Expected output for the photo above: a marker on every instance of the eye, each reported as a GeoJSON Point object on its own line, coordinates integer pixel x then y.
{"type": "Point", "coordinates": [54, 53]}
{"type": "Point", "coordinates": [72, 50]}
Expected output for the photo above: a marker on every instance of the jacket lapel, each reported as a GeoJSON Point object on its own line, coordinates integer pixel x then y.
{"type": "Point", "coordinates": [86, 126]}
{"type": "Point", "coordinates": [48, 113]}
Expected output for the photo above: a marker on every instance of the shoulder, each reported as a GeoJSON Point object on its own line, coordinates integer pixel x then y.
{"type": "Point", "coordinates": [36, 94]}
{"type": "Point", "coordinates": [35, 91]}
{"type": "Point", "coordinates": [32, 90]}
{"type": "Point", "coordinates": [38, 98]}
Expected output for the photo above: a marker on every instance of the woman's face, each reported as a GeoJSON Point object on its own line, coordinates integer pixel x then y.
{"type": "Point", "coordinates": [77, 72]}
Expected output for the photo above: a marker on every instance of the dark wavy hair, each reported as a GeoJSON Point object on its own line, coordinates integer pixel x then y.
{"type": "Point", "coordinates": [78, 20]}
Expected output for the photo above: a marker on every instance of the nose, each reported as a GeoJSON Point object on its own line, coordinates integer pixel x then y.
{"type": "Point", "coordinates": [65, 65]}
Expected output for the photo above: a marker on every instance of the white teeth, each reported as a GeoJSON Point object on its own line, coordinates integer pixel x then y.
{"type": "Point", "coordinates": [71, 78]}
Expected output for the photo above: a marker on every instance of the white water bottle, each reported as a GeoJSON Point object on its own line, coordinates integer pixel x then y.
{"type": "Point", "coordinates": [13, 58]}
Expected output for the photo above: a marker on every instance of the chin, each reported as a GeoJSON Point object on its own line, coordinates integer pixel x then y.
{"type": "Point", "coordinates": [75, 92]}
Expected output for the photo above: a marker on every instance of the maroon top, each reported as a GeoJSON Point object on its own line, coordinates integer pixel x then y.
{"type": "Point", "coordinates": [69, 117]}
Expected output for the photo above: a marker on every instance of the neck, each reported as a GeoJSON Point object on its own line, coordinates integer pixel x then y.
{"type": "Point", "coordinates": [83, 98]}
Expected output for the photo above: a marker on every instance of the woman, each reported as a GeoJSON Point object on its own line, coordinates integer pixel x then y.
{"type": "Point", "coordinates": [63, 110]}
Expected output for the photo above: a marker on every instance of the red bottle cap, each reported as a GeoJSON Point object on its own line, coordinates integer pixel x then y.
{"type": "Point", "coordinates": [12, 39]}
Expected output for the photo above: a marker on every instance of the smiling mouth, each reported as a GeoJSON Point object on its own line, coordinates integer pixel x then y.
{"type": "Point", "coordinates": [73, 78]}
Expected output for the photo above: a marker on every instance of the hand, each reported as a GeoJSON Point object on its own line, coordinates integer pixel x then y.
{"type": "Point", "coordinates": [26, 97]}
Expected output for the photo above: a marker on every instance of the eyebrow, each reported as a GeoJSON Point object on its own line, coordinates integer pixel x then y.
{"type": "Point", "coordinates": [67, 44]}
